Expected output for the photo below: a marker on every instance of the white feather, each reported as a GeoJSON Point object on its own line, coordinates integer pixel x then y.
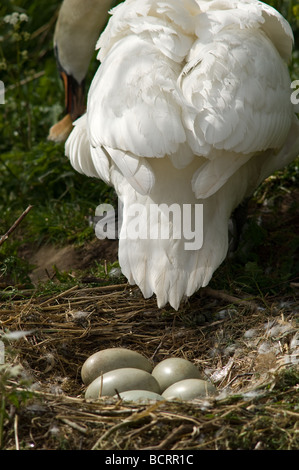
{"type": "Point", "coordinates": [77, 148]}
{"type": "Point", "coordinates": [136, 170]}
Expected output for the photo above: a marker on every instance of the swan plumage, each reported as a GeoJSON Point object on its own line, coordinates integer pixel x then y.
{"type": "Point", "coordinates": [190, 105]}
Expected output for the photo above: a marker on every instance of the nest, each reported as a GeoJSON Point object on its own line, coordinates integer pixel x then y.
{"type": "Point", "coordinates": [249, 350]}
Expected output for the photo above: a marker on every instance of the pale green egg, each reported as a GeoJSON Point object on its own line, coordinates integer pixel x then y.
{"type": "Point", "coordinates": [121, 380]}
{"type": "Point", "coordinates": [173, 370]}
{"type": "Point", "coordinates": [189, 389]}
{"type": "Point", "coordinates": [140, 396]}
{"type": "Point", "coordinates": [113, 358]}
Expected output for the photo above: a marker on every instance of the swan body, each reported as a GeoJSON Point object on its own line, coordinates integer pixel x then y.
{"type": "Point", "coordinates": [190, 106]}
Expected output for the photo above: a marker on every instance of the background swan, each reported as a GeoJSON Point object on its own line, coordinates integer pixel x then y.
{"type": "Point", "coordinates": [190, 105]}
{"type": "Point", "coordinates": [78, 26]}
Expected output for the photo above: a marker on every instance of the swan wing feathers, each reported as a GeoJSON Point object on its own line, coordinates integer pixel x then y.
{"type": "Point", "coordinates": [191, 78]}
{"type": "Point", "coordinates": [77, 148]}
{"type": "Point", "coordinates": [239, 87]}
{"type": "Point", "coordinates": [136, 108]}
{"type": "Point", "coordinates": [136, 170]}
{"type": "Point", "coordinates": [86, 159]}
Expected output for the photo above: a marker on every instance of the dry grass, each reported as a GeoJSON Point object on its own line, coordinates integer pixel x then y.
{"type": "Point", "coordinates": [248, 349]}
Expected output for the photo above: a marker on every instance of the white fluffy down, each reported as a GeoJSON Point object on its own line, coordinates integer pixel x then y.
{"type": "Point", "coordinates": [190, 105]}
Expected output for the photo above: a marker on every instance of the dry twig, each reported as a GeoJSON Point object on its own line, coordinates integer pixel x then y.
{"type": "Point", "coordinates": [15, 225]}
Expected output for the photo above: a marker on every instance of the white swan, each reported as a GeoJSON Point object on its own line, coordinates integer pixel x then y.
{"type": "Point", "coordinates": [77, 30]}
{"type": "Point", "coordinates": [190, 105]}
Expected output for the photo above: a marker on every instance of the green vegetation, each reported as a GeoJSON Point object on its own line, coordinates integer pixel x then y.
{"type": "Point", "coordinates": [34, 171]}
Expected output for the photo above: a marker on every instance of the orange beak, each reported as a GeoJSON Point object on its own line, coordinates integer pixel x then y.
{"type": "Point", "coordinates": [74, 96]}
{"type": "Point", "coordinates": [74, 106]}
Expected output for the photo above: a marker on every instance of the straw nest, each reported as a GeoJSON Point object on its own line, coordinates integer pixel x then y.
{"type": "Point", "coordinates": [248, 349]}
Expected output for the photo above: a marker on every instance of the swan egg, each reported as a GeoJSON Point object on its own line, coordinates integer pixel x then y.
{"type": "Point", "coordinates": [173, 370]}
{"type": "Point", "coordinates": [113, 358]}
{"type": "Point", "coordinates": [121, 380]}
{"type": "Point", "coordinates": [140, 396]}
{"type": "Point", "coordinates": [189, 389]}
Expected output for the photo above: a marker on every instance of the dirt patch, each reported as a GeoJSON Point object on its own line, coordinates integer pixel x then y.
{"type": "Point", "coordinates": [69, 258]}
